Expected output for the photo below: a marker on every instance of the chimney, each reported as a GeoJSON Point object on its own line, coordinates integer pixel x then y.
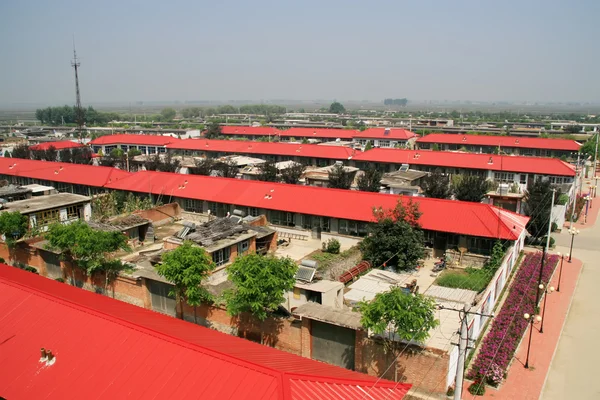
{"type": "Point", "coordinates": [491, 161]}
{"type": "Point", "coordinates": [50, 356]}
{"type": "Point", "coordinates": [43, 354]}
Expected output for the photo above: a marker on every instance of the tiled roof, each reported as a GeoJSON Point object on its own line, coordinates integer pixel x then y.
{"type": "Point", "coordinates": [63, 144]}
{"type": "Point", "coordinates": [491, 162]}
{"type": "Point", "coordinates": [270, 148]}
{"type": "Point", "coordinates": [502, 141]}
{"type": "Point", "coordinates": [476, 219]}
{"type": "Point", "coordinates": [108, 349]}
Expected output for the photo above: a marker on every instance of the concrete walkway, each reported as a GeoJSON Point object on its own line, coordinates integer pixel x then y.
{"type": "Point", "coordinates": [574, 372]}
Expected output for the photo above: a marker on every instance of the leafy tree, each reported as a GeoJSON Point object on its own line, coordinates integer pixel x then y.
{"type": "Point", "coordinates": [589, 147]}
{"type": "Point", "coordinates": [538, 201]}
{"type": "Point", "coordinates": [395, 238]}
{"type": "Point", "coordinates": [293, 173]}
{"type": "Point", "coordinates": [337, 108]}
{"type": "Point", "coordinates": [436, 185]}
{"type": "Point", "coordinates": [435, 147]}
{"type": "Point", "coordinates": [66, 156]}
{"type": "Point", "coordinates": [38, 154]}
{"type": "Point", "coordinates": [213, 130]}
{"type": "Point", "coordinates": [339, 178]}
{"type": "Point", "coordinates": [51, 154]}
{"type": "Point", "coordinates": [370, 180]}
{"type": "Point", "coordinates": [186, 267]}
{"type": "Point", "coordinates": [21, 151]}
{"type": "Point", "coordinates": [204, 166]}
{"type": "Point", "coordinates": [471, 188]}
{"type": "Point", "coordinates": [13, 226]}
{"type": "Point", "coordinates": [166, 164]}
{"type": "Point", "coordinates": [85, 247]}
{"type": "Point", "coordinates": [260, 283]}
{"type": "Point", "coordinates": [228, 169]}
{"type": "Point", "coordinates": [573, 128]}
{"type": "Point", "coordinates": [368, 146]}
{"type": "Point", "coordinates": [168, 114]}
{"type": "Point", "coordinates": [395, 314]}
{"type": "Point", "coordinates": [81, 155]}
{"type": "Point", "coordinates": [305, 141]}
{"type": "Point", "coordinates": [268, 172]}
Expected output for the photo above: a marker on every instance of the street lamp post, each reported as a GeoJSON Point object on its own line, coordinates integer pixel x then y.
{"type": "Point", "coordinates": [547, 291]}
{"type": "Point", "coordinates": [572, 232]}
{"type": "Point", "coordinates": [587, 206]}
{"type": "Point", "coordinates": [562, 258]}
{"type": "Point", "coordinates": [531, 319]}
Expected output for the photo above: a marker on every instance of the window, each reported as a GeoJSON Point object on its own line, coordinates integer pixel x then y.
{"type": "Point", "coordinates": [44, 218]}
{"type": "Point", "coordinates": [504, 176]}
{"type": "Point", "coordinates": [162, 150]}
{"type": "Point", "coordinates": [385, 143]}
{"type": "Point", "coordinates": [193, 205]}
{"type": "Point", "coordinates": [243, 247]}
{"type": "Point", "coordinates": [213, 207]}
{"type": "Point", "coordinates": [108, 149]}
{"type": "Point", "coordinates": [142, 149]}
{"type": "Point", "coordinates": [151, 150]}
{"type": "Point", "coordinates": [523, 179]}
{"type": "Point", "coordinates": [253, 212]}
{"type": "Point", "coordinates": [96, 148]}
{"type": "Point", "coordinates": [72, 212]}
{"type": "Point", "coordinates": [124, 147]}
{"type": "Point", "coordinates": [221, 256]}
{"type": "Point", "coordinates": [282, 218]}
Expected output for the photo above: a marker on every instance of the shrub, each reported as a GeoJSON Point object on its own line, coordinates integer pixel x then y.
{"type": "Point", "coordinates": [500, 344]}
{"type": "Point", "coordinates": [471, 279]}
{"type": "Point", "coordinates": [61, 280]}
{"type": "Point", "coordinates": [563, 199]}
{"type": "Point", "coordinates": [332, 246]}
{"type": "Point", "coordinates": [554, 227]}
{"type": "Point", "coordinates": [477, 389]}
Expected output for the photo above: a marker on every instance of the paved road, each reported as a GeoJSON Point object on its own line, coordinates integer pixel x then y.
{"type": "Point", "coordinates": [574, 373]}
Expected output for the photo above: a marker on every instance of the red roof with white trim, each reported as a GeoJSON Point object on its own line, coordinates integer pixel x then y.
{"type": "Point", "coordinates": [131, 139]}
{"type": "Point", "coordinates": [502, 141]}
{"type": "Point", "coordinates": [78, 174]}
{"type": "Point", "coordinates": [271, 148]}
{"type": "Point", "coordinates": [380, 133]}
{"type": "Point", "coordinates": [490, 162]}
{"type": "Point", "coordinates": [249, 130]}
{"type": "Point", "coordinates": [107, 349]}
{"type": "Point", "coordinates": [475, 219]}
{"type": "Point", "coordinates": [61, 145]}
{"type": "Point", "coordinates": [320, 133]}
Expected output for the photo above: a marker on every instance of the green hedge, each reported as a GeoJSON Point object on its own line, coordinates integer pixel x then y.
{"type": "Point", "coordinates": [470, 279]}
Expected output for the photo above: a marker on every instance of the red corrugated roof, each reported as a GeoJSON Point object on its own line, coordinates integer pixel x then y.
{"type": "Point", "coordinates": [379, 133]}
{"type": "Point", "coordinates": [271, 148]}
{"type": "Point", "coordinates": [105, 348]}
{"type": "Point", "coordinates": [532, 165]}
{"type": "Point", "coordinates": [141, 140]}
{"type": "Point", "coordinates": [61, 172]}
{"type": "Point", "coordinates": [320, 133]}
{"type": "Point", "coordinates": [249, 130]}
{"type": "Point", "coordinates": [64, 144]}
{"type": "Point", "coordinates": [502, 141]}
{"type": "Point", "coordinates": [476, 219]}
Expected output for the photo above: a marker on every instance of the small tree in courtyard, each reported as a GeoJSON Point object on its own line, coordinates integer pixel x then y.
{"type": "Point", "coordinates": [370, 180]}
{"type": "Point", "coordinates": [186, 267]}
{"type": "Point", "coordinates": [293, 173]}
{"type": "Point", "coordinates": [471, 188]}
{"type": "Point", "coordinates": [260, 283]}
{"type": "Point", "coordinates": [436, 185]}
{"type": "Point", "coordinates": [268, 172]}
{"type": "Point", "coordinates": [13, 226]}
{"type": "Point", "coordinates": [395, 238]}
{"type": "Point", "coordinates": [21, 151]}
{"type": "Point", "coordinates": [213, 131]}
{"type": "Point", "coordinates": [204, 166]}
{"type": "Point", "coordinates": [538, 202]}
{"type": "Point", "coordinates": [339, 178]}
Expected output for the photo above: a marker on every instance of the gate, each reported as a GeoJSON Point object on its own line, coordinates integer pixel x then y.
{"type": "Point", "coordinates": [161, 301]}
{"type": "Point", "coordinates": [333, 344]}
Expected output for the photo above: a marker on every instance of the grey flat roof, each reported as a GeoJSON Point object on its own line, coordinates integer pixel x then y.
{"type": "Point", "coordinates": [43, 203]}
{"type": "Point", "coordinates": [335, 316]}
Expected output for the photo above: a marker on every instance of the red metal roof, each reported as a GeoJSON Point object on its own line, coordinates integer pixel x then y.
{"type": "Point", "coordinates": [249, 130]}
{"type": "Point", "coordinates": [64, 144]}
{"type": "Point", "coordinates": [105, 348]}
{"type": "Point", "coordinates": [320, 133]}
{"type": "Point", "coordinates": [271, 148]}
{"type": "Point", "coordinates": [379, 133]}
{"type": "Point", "coordinates": [502, 141]}
{"type": "Point", "coordinates": [141, 140]}
{"type": "Point", "coordinates": [61, 172]}
{"type": "Point", "coordinates": [476, 219]}
{"type": "Point", "coordinates": [531, 165]}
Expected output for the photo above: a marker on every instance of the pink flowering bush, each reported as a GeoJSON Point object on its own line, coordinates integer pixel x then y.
{"type": "Point", "coordinates": [500, 344]}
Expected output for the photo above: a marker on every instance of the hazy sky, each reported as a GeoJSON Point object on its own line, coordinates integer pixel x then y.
{"type": "Point", "coordinates": [347, 50]}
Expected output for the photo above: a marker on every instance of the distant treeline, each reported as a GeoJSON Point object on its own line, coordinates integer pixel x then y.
{"type": "Point", "coordinates": [261, 109]}
{"type": "Point", "coordinates": [395, 102]}
{"type": "Point", "coordinates": [56, 116]}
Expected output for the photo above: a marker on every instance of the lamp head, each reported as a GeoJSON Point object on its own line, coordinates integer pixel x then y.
{"type": "Point", "coordinates": [526, 316]}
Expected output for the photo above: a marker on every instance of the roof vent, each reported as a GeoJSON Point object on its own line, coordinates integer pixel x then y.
{"type": "Point", "coordinates": [417, 155]}
{"type": "Point", "coordinates": [464, 139]}
{"type": "Point", "coordinates": [386, 131]}
{"type": "Point", "coordinates": [517, 141]}
{"type": "Point", "coordinates": [491, 161]}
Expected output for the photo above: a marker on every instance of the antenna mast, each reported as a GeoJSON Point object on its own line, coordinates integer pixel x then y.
{"type": "Point", "coordinates": [79, 118]}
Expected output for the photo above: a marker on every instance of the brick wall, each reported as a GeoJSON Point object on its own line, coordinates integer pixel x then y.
{"type": "Point", "coordinates": [162, 214]}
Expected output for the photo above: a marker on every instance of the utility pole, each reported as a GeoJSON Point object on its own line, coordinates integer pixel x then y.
{"type": "Point", "coordinates": [79, 118]}
{"type": "Point", "coordinates": [550, 221]}
{"type": "Point", "coordinates": [463, 343]}
{"type": "Point", "coordinates": [596, 156]}
{"type": "Point", "coordinates": [574, 197]}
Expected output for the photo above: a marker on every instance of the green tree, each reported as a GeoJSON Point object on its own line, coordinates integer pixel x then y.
{"type": "Point", "coordinates": [368, 146]}
{"type": "Point", "coordinates": [213, 131]}
{"type": "Point", "coordinates": [66, 156]}
{"type": "Point", "coordinates": [228, 169]}
{"type": "Point", "coordinates": [395, 238]}
{"type": "Point", "coordinates": [51, 154]}
{"type": "Point", "coordinates": [573, 128]}
{"type": "Point", "coordinates": [13, 226]}
{"type": "Point", "coordinates": [435, 147]}
{"type": "Point", "coordinates": [436, 185]}
{"type": "Point", "coordinates": [204, 166]}
{"type": "Point", "coordinates": [168, 114]}
{"type": "Point", "coordinates": [38, 154]}
{"type": "Point", "coordinates": [399, 316]}
{"type": "Point", "coordinates": [81, 155]}
{"type": "Point", "coordinates": [186, 267]}
{"type": "Point", "coordinates": [259, 284]}
{"type": "Point", "coordinates": [85, 247]}
{"type": "Point", "coordinates": [370, 180]}
{"type": "Point", "coordinates": [538, 201]}
{"type": "Point", "coordinates": [339, 178]}
{"type": "Point", "coordinates": [337, 108]}
{"type": "Point", "coordinates": [268, 172]}
{"type": "Point", "coordinates": [293, 173]}
{"type": "Point", "coordinates": [589, 147]}
{"type": "Point", "coordinates": [21, 151]}
{"type": "Point", "coordinates": [471, 188]}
